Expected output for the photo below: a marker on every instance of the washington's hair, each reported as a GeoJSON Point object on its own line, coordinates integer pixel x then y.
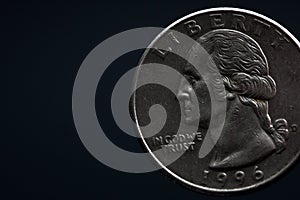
{"type": "Point", "coordinates": [245, 72]}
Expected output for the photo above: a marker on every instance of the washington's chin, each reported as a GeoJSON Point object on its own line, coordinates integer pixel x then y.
{"type": "Point", "coordinates": [191, 117]}
{"type": "Point", "coordinates": [196, 121]}
{"type": "Point", "coordinates": [191, 120]}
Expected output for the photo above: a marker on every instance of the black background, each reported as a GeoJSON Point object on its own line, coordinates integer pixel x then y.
{"type": "Point", "coordinates": [43, 45]}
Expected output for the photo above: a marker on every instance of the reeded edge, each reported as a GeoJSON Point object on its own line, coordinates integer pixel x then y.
{"type": "Point", "coordinates": [188, 183]}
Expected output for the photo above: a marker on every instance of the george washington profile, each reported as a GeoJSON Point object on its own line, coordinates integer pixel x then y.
{"type": "Point", "coordinates": [248, 134]}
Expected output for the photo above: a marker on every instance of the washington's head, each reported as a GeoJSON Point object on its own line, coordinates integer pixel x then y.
{"type": "Point", "coordinates": [245, 75]}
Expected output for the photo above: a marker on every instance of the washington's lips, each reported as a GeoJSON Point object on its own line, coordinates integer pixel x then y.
{"type": "Point", "coordinates": [187, 110]}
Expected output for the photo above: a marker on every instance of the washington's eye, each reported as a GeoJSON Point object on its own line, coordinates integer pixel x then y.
{"type": "Point", "coordinates": [189, 71]}
{"type": "Point", "coordinates": [191, 79]}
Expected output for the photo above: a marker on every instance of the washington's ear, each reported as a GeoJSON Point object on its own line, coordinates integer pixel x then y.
{"type": "Point", "coordinates": [230, 96]}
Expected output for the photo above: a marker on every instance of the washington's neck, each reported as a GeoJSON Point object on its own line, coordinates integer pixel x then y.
{"type": "Point", "coordinates": [242, 140]}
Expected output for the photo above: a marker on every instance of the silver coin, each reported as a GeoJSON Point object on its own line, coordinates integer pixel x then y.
{"type": "Point", "coordinates": [257, 62]}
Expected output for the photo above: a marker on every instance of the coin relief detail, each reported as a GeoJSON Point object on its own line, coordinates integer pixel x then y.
{"type": "Point", "coordinates": [257, 61]}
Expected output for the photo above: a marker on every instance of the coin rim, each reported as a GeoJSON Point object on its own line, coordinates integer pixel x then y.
{"type": "Point", "coordinates": [204, 11]}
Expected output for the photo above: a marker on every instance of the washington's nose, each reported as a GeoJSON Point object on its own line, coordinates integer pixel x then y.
{"type": "Point", "coordinates": [183, 90]}
{"type": "Point", "coordinates": [182, 95]}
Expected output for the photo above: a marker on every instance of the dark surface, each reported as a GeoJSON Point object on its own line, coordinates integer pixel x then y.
{"type": "Point", "coordinates": [43, 45]}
